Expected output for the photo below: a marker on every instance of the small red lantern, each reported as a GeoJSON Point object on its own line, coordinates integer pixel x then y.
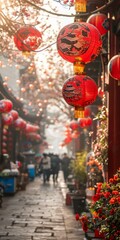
{"type": "Point", "coordinates": [27, 39]}
{"type": "Point", "coordinates": [74, 125]}
{"type": "Point", "coordinates": [79, 41]}
{"type": "Point", "coordinates": [14, 114]}
{"type": "Point", "coordinates": [100, 21]}
{"type": "Point", "coordinates": [20, 124]}
{"type": "Point", "coordinates": [114, 67]}
{"type": "Point", "coordinates": [85, 122]}
{"type": "Point", "coordinates": [79, 91]}
{"type": "Point", "coordinates": [31, 128]}
{"type": "Point", "coordinates": [5, 106]}
{"type": "Point", "coordinates": [7, 119]}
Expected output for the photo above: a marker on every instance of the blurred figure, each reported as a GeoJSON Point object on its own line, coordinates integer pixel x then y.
{"type": "Point", "coordinates": [46, 167]}
{"type": "Point", "coordinates": [55, 166]}
{"type": "Point", "coordinates": [65, 166]}
{"type": "Point", "coordinates": [38, 159]}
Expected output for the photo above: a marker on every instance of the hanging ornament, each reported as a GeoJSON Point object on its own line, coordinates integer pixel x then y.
{"type": "Point", "coordinates": [79, 43]}
{"type": "Point", "coordinates": [7, 119]}
{"type": "Point", "coordinates": [5, 106]}
{"type": "Point", "coordinates": [20, 124]}
{"type": "Point", "coordinates": [27, 39]}
{"type": "Point", "coordinates": [79, 91]}
{"type": "Point", "coordinates": [14, 114]}
{"type": "Point", "coordinates": [74, 125]}
{"type": "Point", "coordinates": [100, 21]}
{"type": "Point", "coordinates": [114, 67]}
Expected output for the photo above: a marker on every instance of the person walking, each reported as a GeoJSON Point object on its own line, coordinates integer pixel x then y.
{"type": "Point", "coordinates": [55, 166]}
{"type": "Point", "coordinates": [65, 166]}
{"type": "Point", "coordinates": [46, 167]}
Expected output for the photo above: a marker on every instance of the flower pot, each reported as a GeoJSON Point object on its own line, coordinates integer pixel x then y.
{"type": "Point", "coordinates": [78, 203]}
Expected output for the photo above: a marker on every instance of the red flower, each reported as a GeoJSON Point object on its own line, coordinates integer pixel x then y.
{"type": "Point", "coordinates": [77, 216]}
{"type": "Point", "coordinates": [111, 180]}
{"type": "Point", "coordinates": [112, 200]}
{"type": "Point", "coordinates": [106, 194]}
{"type": "Point", "coordinates": [96, 197]}
{"type": "Point", "coordinates": [115, 192]}
{"type": "Point", "coordinates": [116, 177]}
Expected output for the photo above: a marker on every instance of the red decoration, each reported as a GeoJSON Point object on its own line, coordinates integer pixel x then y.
{"type": "Point", "coordinates": [27, 39]}
{"type": "Point", "coordinates": [31, 128]}
{"type": "Point", "coordinates": [74, 125]}
{"type": "Point", "coordinates": [87, 112]}
{"type": "Point", "coordinates": [20, 124]}
{"type": "Point", "coordinates": [100, 21]}
{"type": "Point", "coordinates": [14, 114]}
{"type": "Point", "coordinates": [79, 91]}
{"type": "Point", "coordinates": [85, 122]}
{"type": "Point", "coordinates": [79, 41]}
{"type": "Point", "coordinates": [5, 106]}
{"type": "Point", "coordinates": [114, 67]}
{"type": "Point", "coordinates": [7, 119]}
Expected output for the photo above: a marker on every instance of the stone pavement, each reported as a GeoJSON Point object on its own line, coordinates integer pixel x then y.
{"type": "Point", "coordinates": [39, 213]}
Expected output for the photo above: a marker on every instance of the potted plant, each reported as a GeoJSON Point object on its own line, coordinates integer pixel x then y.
{"type": "Point", "coordinates": [78, 168]}
{"type": "Point", "coordinates": [104, 220]}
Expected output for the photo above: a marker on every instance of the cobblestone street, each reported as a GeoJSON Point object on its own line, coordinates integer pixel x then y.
{"type": "Point", "coordinates": [39, 213]}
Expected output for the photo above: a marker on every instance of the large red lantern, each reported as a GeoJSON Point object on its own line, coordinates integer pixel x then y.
{"type": "Point", "coordinates": [100, 21]}
{"type": "Point", "coordinates": [114, 67]}
{"type": "Point", "coordinates": [5, 106]}
{"type": "Point", "coordinates": [79, 91]}
{"type": "Point", "coordinates": [27, 39]}
{"type": "Point", "coordinates": [79, 41]}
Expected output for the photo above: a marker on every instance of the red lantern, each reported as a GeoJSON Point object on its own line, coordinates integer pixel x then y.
{"type": "Point", "coordinates": [27, 39]}
{"type": "Point", "coordinates": [79, 41]}
{"type": "Point", "coordinates": [74, 125]}
{"type": "Point", "coordinates": [7, 119]}
{"type": "Point", "coordinates": [14, 114]}
{"type": "Point", "coordinates": [20, 124]}
{"type": "Point", "coordinates": [85, 122]}
{"type": "Point", "coordinates": [79, 91]}
{"type": "Point", "coordinates": [5, 106]}
{"type": "Point", "coordinates": [114, 67]}
{"type": "Point", "coordinates": [100, 21]}
{"type": "Point", "coordinates": [88, 121]}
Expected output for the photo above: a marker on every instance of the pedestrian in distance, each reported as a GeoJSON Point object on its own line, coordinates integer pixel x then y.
{"type": "Point", "coordinates": [55, 167]}
{"type": "Point", "coordinates": [65, 166]}
{"type": "Point", "coordinates": [46, 167]}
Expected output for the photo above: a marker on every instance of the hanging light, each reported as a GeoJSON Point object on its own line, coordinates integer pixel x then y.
{"type": "Point", "coordinates": [79, 43]}
{"type": "Point", "coordinates": [114, 67]}
{"type": "Point", "coordinates": [79, 91]}
{"type": "Point", "coordinates": [100, 21]}
{"type": "Point", "coordinates": [27, 39]}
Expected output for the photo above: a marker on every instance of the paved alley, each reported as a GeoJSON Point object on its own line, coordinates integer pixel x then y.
{"type": "Point", "coordinates": [39, 213]}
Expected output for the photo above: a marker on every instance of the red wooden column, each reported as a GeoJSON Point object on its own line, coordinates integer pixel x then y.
{"type": "Point", "coordinates": [114, 110]}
